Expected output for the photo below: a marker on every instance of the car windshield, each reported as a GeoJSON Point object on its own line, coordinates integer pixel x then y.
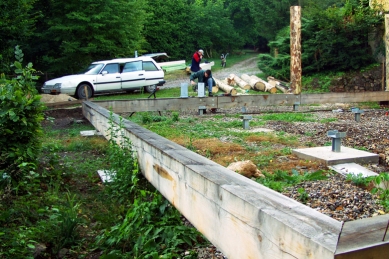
{"type": "Point", "coordinates": [93, 69]}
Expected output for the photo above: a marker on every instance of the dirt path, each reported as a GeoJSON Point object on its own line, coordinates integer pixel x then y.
{"type": "Point", "coordinates": [248, 66]}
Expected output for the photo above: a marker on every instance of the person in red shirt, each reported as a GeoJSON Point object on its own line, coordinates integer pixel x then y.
{"type": "Point", "coordinates": [196, 59]}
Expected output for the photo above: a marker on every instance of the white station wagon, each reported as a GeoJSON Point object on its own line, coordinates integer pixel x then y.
{"type": "Point", "coordinates": [124, 74]}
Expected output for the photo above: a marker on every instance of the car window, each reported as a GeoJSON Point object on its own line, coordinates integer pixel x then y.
{"type": "Point", "coordinates": [149, 66]}
{"type": "Point", "coordinates": [92, 69]}
{"type": "Point", "coordinates": [132, 66]}
{"type": "Point", "coordinates": [112, 68]}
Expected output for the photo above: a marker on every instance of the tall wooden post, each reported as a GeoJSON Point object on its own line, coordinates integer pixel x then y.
{"type": "Point", "coordinates": [387, 49]}
{"type": "Point", "coordinates": [295, 49]}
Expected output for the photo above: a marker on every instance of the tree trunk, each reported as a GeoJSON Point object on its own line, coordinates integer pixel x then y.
{"type": "Point", "coordinates": [241, 83]}
{"type": "Point", "coordinates": [225, 87]}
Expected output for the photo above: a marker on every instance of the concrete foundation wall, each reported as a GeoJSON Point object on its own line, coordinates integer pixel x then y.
{"type": "Point", "coordinates": [239, 216]}
{"type": "Point", "coordinates": [226, 102]}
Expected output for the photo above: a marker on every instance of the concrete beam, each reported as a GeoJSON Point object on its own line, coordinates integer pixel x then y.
{"type": "Point", "coordinates": [192, 104]}
{"type": "Point", "coordinates": [239, 216]}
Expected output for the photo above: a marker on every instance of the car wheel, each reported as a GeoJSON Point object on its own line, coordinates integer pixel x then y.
{"type": "Point", "coordinates": [82, 91]}
{"type": "Point", "coordinates": [150, 88]}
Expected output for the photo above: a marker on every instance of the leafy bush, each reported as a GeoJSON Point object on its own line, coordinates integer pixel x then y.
{"type": "Point", "coordinates": [152, 227]}
{"type": "Point", "coordinates": [20, 115]}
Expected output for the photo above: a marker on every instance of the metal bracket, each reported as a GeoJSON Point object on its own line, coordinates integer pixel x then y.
{"type": "Point", "coordinates": [246, 120]}
{"type": "Point", "coordinates": [336, 139]}
{"type": "Point", "coordinates": [357, 113]}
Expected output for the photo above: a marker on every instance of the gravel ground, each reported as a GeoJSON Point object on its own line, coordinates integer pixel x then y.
{"type": "Point", "coordinates": [335, 197]}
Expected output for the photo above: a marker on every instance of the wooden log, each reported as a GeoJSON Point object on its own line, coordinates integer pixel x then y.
{"type": "Point", "coordinates": [280, 85]}
{"type": "Point", "coordinates": [231, 81]}
{"type": "Point", "coordinates": [254, 83]}
{"type": "Point", "coordinates": [225, 87]}
{"type": "Point", "coordinates": [269, 78]}
{"type": "Point", "coordinates": [241, 83]}
{"type": "Point", "coordinates": [283, 89]}
{"type": "Point", "coordinates": [264, 86]}
{"type": "Point", "coordinates": [259, 85]}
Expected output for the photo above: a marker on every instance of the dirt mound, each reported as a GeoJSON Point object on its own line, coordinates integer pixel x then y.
{"type": "Point", "coordinates": [49, 98]}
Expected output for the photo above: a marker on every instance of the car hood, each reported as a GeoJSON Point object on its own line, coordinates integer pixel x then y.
{"type": "Point", "coordinates": [68, 79]}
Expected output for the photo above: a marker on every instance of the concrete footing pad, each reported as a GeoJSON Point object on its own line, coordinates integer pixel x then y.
{"type": "Point", "coordinates": [88, 133]}
{"type": "Point", "coordinates": [329, 157]}
{"type": "Point", "coordinates": [353, 169]}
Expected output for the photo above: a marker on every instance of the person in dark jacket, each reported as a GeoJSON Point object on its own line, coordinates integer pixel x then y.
{"type": "Point", "coordinates": [196, 59]}
{"type": "Point", "coordinates": [203, 77]}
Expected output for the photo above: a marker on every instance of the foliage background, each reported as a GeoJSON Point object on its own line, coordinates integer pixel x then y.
{"type": "Point", "coordinates": [61, 38]}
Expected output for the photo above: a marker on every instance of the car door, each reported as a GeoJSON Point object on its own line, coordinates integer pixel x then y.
{"type": "Point", "coordinates": [133, 75]}
{"type": "Point", "coordinates": [153, 74]}
{"type": "Point", "coordinates": [109, 78]}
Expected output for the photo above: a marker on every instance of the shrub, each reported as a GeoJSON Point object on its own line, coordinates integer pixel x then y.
{"type": "Point", "coordinates": [21, 113]}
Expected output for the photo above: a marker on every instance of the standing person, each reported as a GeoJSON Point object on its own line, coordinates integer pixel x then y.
{"type": "Point", "coordinates": [196, 59]}
{"type": "Point", "coordinates": [203, 77]}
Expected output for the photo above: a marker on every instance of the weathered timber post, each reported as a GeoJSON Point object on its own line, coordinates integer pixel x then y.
{"type": "Point", "coordinates": [387, 49]}
{"type": "Point", "coordinates": [86, 92]}
{"type": "Point", "coordinates": [295, 49]}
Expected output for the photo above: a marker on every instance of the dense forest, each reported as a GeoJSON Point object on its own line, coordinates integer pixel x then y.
{"type": "Point", "coordinates": [61, 37]}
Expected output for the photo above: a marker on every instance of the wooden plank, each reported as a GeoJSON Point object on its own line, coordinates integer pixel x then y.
{"type": "Point", "coordinates": [362, 239]}
{"type": "Point", "coordinates": [344, 97]}
{"type": "Point", "coordinates": [192, 103]}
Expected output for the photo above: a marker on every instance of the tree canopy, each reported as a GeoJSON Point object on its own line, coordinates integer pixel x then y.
{"type": "Point", "coordinates": [63, 37]}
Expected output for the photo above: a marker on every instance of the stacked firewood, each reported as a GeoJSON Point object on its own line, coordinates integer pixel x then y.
{"type": "Point", "coordinates": [235, 85]}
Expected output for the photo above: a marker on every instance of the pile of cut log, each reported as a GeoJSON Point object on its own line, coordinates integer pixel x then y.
{"type": "Point", "coordinates": [234, 84]}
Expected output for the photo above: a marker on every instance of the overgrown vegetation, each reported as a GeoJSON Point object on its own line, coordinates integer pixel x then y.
{"type": "Point", "coordinates": [21, 113]}
{"type": "Point", "coordinates": [68, 212]}
{"type": "Point", "coordinates": [151, 226]}
{"type": "Point", "coordinates": [53, 204]}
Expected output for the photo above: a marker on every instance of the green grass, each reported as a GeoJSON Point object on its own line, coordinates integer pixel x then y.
{"type": "Point", "coordinates": [289, 117]}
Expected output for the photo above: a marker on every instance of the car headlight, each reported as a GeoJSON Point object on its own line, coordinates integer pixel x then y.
{"type": "Point", "coordinates": [57, 85]}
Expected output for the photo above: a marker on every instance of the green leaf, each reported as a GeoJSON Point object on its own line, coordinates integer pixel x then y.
{"type": "Point", "coordinates": [18, 65]}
